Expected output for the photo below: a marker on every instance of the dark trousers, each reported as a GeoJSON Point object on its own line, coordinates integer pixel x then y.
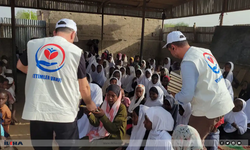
{"type": "Point", "coordinates": [42, 134]}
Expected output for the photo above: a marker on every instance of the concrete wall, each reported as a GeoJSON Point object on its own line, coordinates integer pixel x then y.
{"type": "Point", "coordinates": [121, 34]}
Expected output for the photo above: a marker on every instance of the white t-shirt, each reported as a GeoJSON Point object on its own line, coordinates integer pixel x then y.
{"type": "Point", "coordinates": [52, 88]}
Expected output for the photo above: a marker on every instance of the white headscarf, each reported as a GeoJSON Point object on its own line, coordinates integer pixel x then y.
{"type": "Point", "coordinates": [112, 62]}
{"type": "Point", "coordinates": [138, 130]}
{"type": "Point", "coordinates": [129, 80]}
{"type": "Point", "coordinates": [144, 79]}
{"type": "Point", "coordinates": [167, 65]}
{"type": "Point", "coordinates": [139, 80]}
{"type": "Point", "coordinates": [153, 66]}
{"type": "Point", "coordinates": [150, 84]}
{"type": "Point", "coordinates": [124, 76]}
{"type": "Point", "coordinates": [229, 88]}
{"type": "Point", "coordinates": [247, 111]}
{"type": "Point", "coordinates": [133, 105]}
{"type": "Point", "coordinates": [119, 82]}
{"type": "Point", "coordinates": [162, 121]}
{"type": "Point", "coordinates": [107, 82]}
{"type": "Point", "coordinates": [93, 73]}
{"type": "Point", "coordinates": [125, 62]}
{"type": "Point", "coordinates": [184, 119]}
{"type": "Point", "coordinates": [84, 126]}
{"type": "Point", "coordinates": [100, 78]}
{"type": "Point", "coordinates": [91, 61]}
{"type": "Point", "coordinates": [106, 69]}
{"type": "Point", "coordinates": [158, 101]}
{"type": "Point", "coordinates": [166, 71]}
{"type": "Point", "coordinates": [144, 66]}
{"type": "Point", "coordinates": [230, 75]}
{"type": "Point", "coordinates": [239, 118]}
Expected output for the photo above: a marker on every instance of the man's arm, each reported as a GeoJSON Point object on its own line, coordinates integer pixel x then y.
{"type": "Point", "coordinates": [84, 85]}
{"type": "Point", "coordinates": [21, 67]}
{"type": "Point", "coordinates": [190, 77]}
{"type": "Point", "coordinates": [22, 63]}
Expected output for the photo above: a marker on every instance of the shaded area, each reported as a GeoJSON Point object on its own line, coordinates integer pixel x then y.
{"type": "Point", "coordinates": [232, 43]}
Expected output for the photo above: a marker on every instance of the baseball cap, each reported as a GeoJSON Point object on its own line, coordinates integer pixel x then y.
{"type": "Point", "coordinates": [175, 36]}
{"type": "Point", "coordinates": [69, 24]}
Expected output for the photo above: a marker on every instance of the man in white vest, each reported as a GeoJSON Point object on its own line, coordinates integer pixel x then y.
{"type": "Point", "coordinates": [56, 80]}
{"type": "Point", "coordinates": [202, 84]}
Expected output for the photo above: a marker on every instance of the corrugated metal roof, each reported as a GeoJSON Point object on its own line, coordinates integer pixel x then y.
{"type": "Point", "coordinates": [154, 8]}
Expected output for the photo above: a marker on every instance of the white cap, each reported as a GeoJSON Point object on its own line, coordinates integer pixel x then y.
{"type": "Point", "coordinates": [5, 61]}
{"type": "Point", "coordinates": [175, 36]}
{"type": "Point", "coordinates": [10, 80]}
{"type": "Point", "coordinates": [9, 71]}
{"type": "Point", "coordinates": [69, 24]}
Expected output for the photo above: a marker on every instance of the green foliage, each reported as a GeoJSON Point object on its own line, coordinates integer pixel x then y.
{"type": "Point", "coordinates": [180, 24]}
{"type": "Point", "coordinates": [26, 14]}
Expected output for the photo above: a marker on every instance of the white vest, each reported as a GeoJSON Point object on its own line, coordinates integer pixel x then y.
{"type": "Point", "coordinates": [211, 98]}
{"type": "Point", "coordinates": [52, 88]}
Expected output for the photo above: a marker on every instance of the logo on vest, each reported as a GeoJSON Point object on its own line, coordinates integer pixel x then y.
{"type": "Point", "coordinates": [50, 58]}
{"type": "Point", "coordinates": [212, 63]}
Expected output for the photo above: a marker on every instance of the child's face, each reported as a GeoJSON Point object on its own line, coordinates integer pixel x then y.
{"type": "Point", "coordinates": [3, 99]}
{"type": "Point", "coordinates": [104, 64]}
{"type": "Point", "coordinates": [122, 70]}
{"type": "Point", "coordinates": [154, 79]}
{"type": "Point", "coordinates": [5, 85]}
{"type": "Point", "coordinates": [166, 105]}
{"type": "Point", "coordinates": [139, 92]}
{"type": "Point", "coordinates": [99, 68]}
{"type": "Point", "coordinates": [119, 63]}
{"type": "Point", "coordinates": [181, 110]}
{"type": "Point", "coordinates": [151, 62]}
{"type": "Point", "coordinates": [165, 61]}
{"type": "Point", "coordinates": [117, 75]}
{"type": "Point", "coordinates": [128, 71]}
{"type": "Point", "coordinates": [148, 74]}
{"type": "Point", "coordinates": [163, 72]}
{"type": "Point", "coordinates": [165, 81]}
{"type": "Point", "coordinates": [134, 118]}
{"type": "Point", "coordinates": [147, 123]}
{"type": "Point", "coordinates": [93, 68]}
{"type": "Point", "coordinates": [227, 67]}
{"type": "Point", "coordinates": [111, 97]}
{"type": "Point", "coordinates": [153, 95]}
{"type": "Point", "coordinates": [138, 74]}
{"type": "Point", "coordinates": [114, 81]}
{"type": "Point", "coordinates": [238, 105]}
{"type": "Point", "coordinates": [123, 57]}
{"type": "Point", "coordinates": [137, 59]}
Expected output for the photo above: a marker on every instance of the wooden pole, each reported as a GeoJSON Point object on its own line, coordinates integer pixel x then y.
{"type": "Point", "coordinates": [142, 29]}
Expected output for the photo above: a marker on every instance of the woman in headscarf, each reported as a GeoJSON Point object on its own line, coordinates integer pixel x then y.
{"type": "Point", "coordinates": [131, 61]}
{"type": "Point", "coordinates": [167, 63]}
{"type": "Point", "coordinates": [146, 78]}
{"type": "Point", "coordinates": [125, 60]}
{"type": "Point", "coordinates": [84, 127]}
{"type": "Point", "coordinates": [152, 63]}
{"type": "Point", "coordinates": [165, 82]}
{"type": "Point", "coordinates": [115, 74]}
{"type": "Point", "coordinates": [184, 114]}
{"type": "Point", "coordinates": [100, 76]}
{"type": "Point", "coordinates": [129, 80]}
{"type": "Point", "coordinates": [111, 61]}
{"type": "Point", "coordinates": [143, 65]}
{"type": "Point", "coordinates": [156, 97]}
{"type": "Point", "coordinates": [111, 119]}
{"type": "Point", "coordinates": [93, 71]}
{"type": "Point", "coordinates": [170, 106]}
{"type": "Point", "coordinates": [235, 121]}
{"type": "Point", "coordinates": [229, 88]}
{"type": "Point", "coordinates": [139, 76]}
{"type": "Point", "coordinates": [159, 122]}
{"type": "Point", "coordinates": [124, 75]}
{"type": "Point", "coordinates": [138, 98]}
{"type": "Point", "coordinates": [138, 131]}
{"type": "Point", "coordinates": [164, 72]}
{"type": "Point", "coordinates": [245, 91]}
{"type": "Point", "coordinates": [92, 60]}
{"type": "Point", "coordinates": [228, 71]}
{"type": "Point", "coordinates": [106, 68]}
{"type": "Point", "coordinates": [155, 81]}
{"type": "Point", "coordinates": [186, 137]}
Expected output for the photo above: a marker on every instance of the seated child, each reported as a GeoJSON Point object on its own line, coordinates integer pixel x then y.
{"type": "Point", "coordinates": [165, 82]}
{"type": "Point", "coordinates": [111, 119]}
{"type": "Point", "coordinates": [158, 121]}
{"type": "Point", "coordinates": [138, 131]}
{"type": "Point", "coordinates": [170, 106]}
{"type": "Point", "coordinates": [235, 121]}
{"type": "Point", "coordinates": [186, 137]}
{"type": "Point", "coordinates": [227, 72]}
{"type": "Point", "coordinates": [156, 96]}
{"type": "Point", "coordinates": [5, 110]}
{"type": "Point", "coordinates": [184, 114]}
{"type": "Point", "coordinates": [138, 98]}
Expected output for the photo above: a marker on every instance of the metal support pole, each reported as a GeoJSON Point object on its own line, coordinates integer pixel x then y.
{"type": "Point", "coordinates": [13, 28]}
{"type": "Point", "coordinates": [142, 29]}
{"type": "Point", "coordinates": [221, 18]}
{"type": "Point", "coordinates": [102, 27]}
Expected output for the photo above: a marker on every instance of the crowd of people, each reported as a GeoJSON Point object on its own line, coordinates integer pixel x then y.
{"type": "Point", "coordinates": [144, 93]}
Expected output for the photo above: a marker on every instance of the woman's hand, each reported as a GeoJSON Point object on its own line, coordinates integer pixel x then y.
{"type": "Point", "coordinates": [234, 125]}
{"type": "Point", "coordinates": [100, 113]}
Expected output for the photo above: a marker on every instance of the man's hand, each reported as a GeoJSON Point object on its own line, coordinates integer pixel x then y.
{"type": "Point", "coordinates": [91, 107]}
{"type": "Point", "coordinates": [99, 113]}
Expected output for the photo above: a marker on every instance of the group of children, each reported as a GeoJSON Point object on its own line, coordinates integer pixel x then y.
{"type": "Point", "coordinates": [136, 102]}
{"type": "Point", "coordinates": [7, 97]}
